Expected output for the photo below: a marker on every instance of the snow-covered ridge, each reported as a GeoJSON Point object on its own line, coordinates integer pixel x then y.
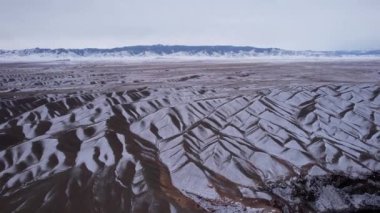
{"type": "Point", "coordinates": [190, 137]}
{"type": "Point", "coordinates": [175, 51]}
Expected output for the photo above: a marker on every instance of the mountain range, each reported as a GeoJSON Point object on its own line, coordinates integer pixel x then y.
{"type": "Point", "coordinates": [222, 51]}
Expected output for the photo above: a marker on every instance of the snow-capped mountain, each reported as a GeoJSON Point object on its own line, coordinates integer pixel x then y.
{"type": "Point", "coordinates": [174, 51]}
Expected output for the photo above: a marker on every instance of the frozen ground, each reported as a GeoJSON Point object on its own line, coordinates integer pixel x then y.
{"type": "Point", "coordinates": [190, 136]}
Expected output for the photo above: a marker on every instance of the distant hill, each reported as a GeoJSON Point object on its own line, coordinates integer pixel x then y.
{"type": "Point", "coordinates": [175, 51]}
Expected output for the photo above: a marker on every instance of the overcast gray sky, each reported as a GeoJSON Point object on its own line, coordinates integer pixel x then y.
{"type": "Point", "coordinates": [289, 24]}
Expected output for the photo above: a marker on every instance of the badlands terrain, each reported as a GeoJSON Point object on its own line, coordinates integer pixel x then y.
{"type": "Point", "coordinates": [190, 136]}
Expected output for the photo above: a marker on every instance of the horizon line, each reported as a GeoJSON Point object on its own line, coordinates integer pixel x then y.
{"type": "Point", "coordinates": [185, 45]}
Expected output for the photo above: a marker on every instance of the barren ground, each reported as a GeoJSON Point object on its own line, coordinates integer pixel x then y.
{"type": "Point", "coordinates": [189, 136]}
